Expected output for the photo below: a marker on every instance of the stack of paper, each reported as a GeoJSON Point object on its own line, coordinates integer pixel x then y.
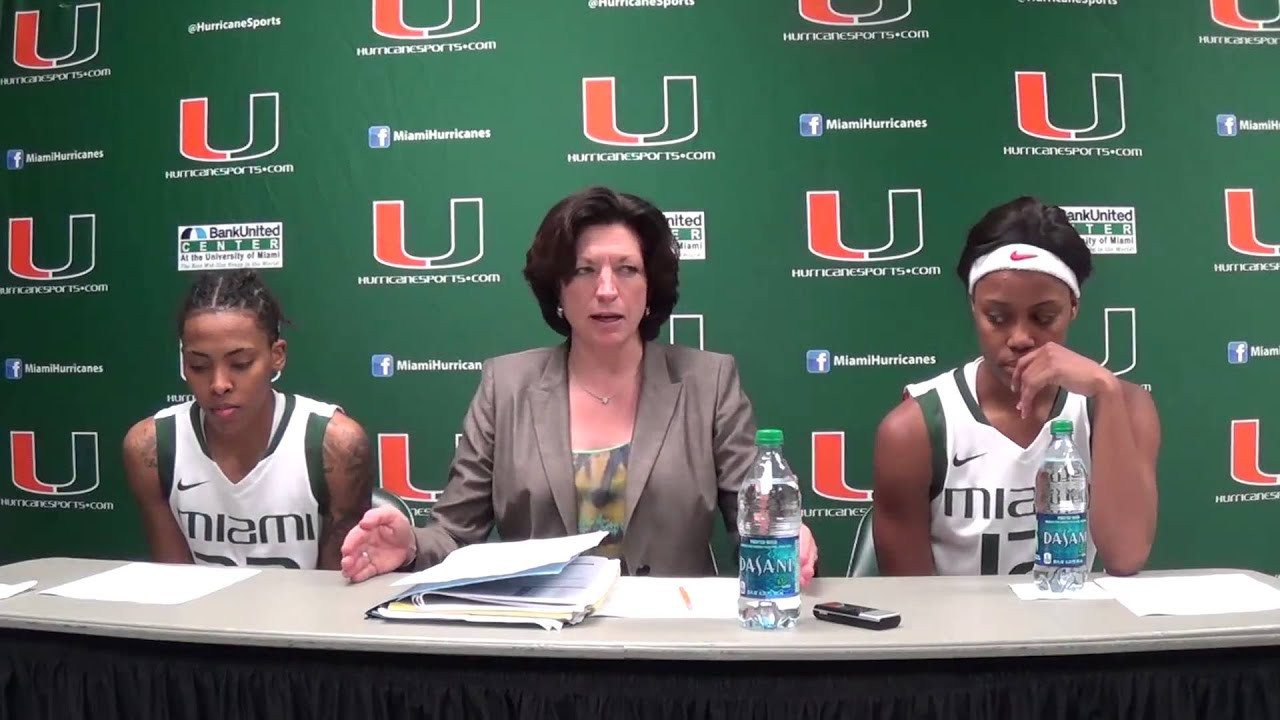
{"type": "Point", "coordinates": [530, 582]}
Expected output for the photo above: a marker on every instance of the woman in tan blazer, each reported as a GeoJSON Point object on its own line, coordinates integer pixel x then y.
{"type": "Point", "coordinates": [607, 431]}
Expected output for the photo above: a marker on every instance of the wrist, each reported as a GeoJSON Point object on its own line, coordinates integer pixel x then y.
{"type": "Point", "coordinates": [413, 550]}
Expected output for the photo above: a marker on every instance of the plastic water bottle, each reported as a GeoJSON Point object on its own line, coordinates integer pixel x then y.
{"type": "Point", "coordinates": [769, 547]}
{"type": "Point", "coordinates": [1062, 515]}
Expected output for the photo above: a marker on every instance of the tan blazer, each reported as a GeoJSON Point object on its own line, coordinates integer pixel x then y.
{"type": "Point", "coordinates": [693, 443]}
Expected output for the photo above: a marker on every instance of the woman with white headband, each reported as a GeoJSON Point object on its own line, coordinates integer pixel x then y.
{"type": "Point", "coordinates": [955, 462]}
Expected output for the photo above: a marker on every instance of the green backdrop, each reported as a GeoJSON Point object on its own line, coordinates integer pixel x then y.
{"type": "Point", "coordinates": [386, 163]}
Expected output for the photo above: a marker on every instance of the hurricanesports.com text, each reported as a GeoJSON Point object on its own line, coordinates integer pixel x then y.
{"type": "Point", "coordinates": [53, 289]}
{"type": "Point", "coordinates": [454, 279]}
{"type": "Point", "coordinates": [1071, 2]}
{"type": "Point", "coordinates": [56, 504]}
{"type": "Point", "coordinates": [1247, 267]}
{"type": "Point", "coordinates": [1238, 40]}
{"type": "Point", "coordinates": [426, 48]}
{"type": "Point", "coordinates": [843, 35]}
{"type": "Point", "coordinates": [245, 24]}
{"type": "Point", "coordinates": [605, 4]}
{"type": "Point", "coordinates": [836, 512]}
{"type": "Point", "coordinates": [56, 77]}
{"type": "Point", "coordinates": [1248, 497]}
{"type": "Point", "coordinates": [649, 155]}
{"type": "Point", "coordinates": [861, 272]}
{"type": "Point", "coordinates": [228, 171]}
{"type": "Point", "coordinates": [1073, 150]}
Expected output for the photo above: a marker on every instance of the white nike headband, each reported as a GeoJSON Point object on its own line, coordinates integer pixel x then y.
{"type": "Point", "coordinates": [1022, 257]}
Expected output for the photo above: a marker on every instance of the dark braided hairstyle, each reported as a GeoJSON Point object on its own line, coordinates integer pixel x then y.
{"type": "Point", "coordinates": [234, 290]}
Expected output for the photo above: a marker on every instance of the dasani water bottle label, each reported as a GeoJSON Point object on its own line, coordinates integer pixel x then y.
{"type": "Point", "coordinates": [768, 567]}
{"type": "Point", "coordinates": [1062, 539]}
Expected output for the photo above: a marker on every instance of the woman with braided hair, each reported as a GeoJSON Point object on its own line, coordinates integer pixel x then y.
{"type": "Point", "coordinates": [245, 474]}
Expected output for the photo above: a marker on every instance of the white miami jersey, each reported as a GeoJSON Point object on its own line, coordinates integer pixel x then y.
{"type": "Point", "coordinates": [982, 493]}
{"type": "Point", "coordinates": [272, 516]}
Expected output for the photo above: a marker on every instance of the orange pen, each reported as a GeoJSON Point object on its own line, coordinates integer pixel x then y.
{"type": "Point", "coordinates": [685, 594]}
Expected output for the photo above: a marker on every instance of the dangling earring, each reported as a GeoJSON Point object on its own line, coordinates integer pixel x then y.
{"type": "Point", "coordinates": [559, 311]}
{"type": "Point", "coordinates": [646, 311]}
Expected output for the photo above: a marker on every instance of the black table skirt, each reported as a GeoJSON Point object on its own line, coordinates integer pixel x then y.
{"type": "Point", "coordinates": [52, 676]}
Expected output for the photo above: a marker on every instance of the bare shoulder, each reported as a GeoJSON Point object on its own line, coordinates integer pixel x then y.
{"type": "Point", "coordinates": [903, 429]}
{"type": "Point", "coordinates": [140, 441]}
{"type": "Point", "coordinates": [1143, 416]}
{"type": "Point", "coordinates": [344, 437]}
{"type": "Point", "coordinates": [140, 456]}
{"type": "Point", "coordinates": [1137, 396]}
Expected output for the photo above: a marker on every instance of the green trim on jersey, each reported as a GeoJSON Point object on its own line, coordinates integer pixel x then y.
{"type": "Point", "coordinates": [313, 448]}
{"type": "Point", "coordinates": [166, 449]}
{"type": "Point", "coordinates": [1059, 401]}
{"type": "Point", "coordinates": [289, 401]}
{"type": "Point", "coordinates": [970, 402]}
{"type": "Point", "coordinates": [1089, 407]}
{"type": "Point", "coordinates": [935, 422]}
{"type": "Point", "coordinates": [198, 427]}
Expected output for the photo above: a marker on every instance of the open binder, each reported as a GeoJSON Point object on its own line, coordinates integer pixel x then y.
{"type": "Point", "coordinates": [547, 583]}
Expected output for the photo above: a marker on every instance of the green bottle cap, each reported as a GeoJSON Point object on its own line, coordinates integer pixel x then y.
{"type": "Point", "coordinates": [769, 437]}
{"type": "Point", "coordinates": [1060, 427]}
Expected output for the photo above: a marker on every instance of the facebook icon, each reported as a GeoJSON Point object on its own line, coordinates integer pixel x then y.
{"type": "Point", "coordinates": [13, 369]}
{"type": "Point", "coordinates": [818, 361]}
{"type": "Point", "coordinates": [810, 125]}
{"type": "Point", "coordinates": [15, 159]}
{"type": "Point", "coordinates": [379, 137]}
{"type": "Point", "coordinates": [1228, 125]}
{"type": "Point", "coordinates": [383, 366]}
{"type": "Point", "coordinates": [1237, 352]}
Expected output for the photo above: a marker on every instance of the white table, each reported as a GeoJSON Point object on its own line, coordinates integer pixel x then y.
{"type": "Point", "coordinates": [289, 625]}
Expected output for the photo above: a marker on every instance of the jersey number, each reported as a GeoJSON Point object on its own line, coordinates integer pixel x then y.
{"type": "Point", "coordinates": [991, 552]}
{"type": "Point", "coordinates": [256, 562]}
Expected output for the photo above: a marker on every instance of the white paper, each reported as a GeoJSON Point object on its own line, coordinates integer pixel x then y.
{"type": "Point", "coordinates": [500, 559]}
{"type": "Point", "coordinates": [153, 583]}
{"type": "Point", "coordinates": [583, 582]}
{"type": "Point", "coordinates": [659, 598]}
{"type": "Point", "coordinates": [8, 591]}
{"type": "Point", "coordinates": [1192, 594]}
{"type": "Point", "coordinates": [543, 622]}
{"type": "Point", "coordinates": [1088, 591]}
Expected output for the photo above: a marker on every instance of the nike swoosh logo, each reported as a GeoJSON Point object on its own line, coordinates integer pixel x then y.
{"type": "Point", "coordinates": [957, 462]}
{"type": "Point", "coordinates": [182, 487]}
{"type": "Point", "coordinates": [1016, 256]}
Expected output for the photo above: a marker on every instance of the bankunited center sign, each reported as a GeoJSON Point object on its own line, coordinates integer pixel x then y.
{"type": "Point", "coordinates": [237, 245]}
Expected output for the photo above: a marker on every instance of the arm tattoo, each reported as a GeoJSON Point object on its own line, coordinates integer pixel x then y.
{"type": "Point", "coordinates": [358, 464]}
{"type": "Point", "coordinates": [346, 461]}
{"type": "Point", "coordinates": [145, 447]}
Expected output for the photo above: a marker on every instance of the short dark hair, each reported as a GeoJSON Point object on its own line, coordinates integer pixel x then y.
{"type": "Point", "coordinates": [234, 290]}
{"type": "Point", "coordinates": [1026, 220]}
{"type": "Point", "coordinates": [551, 258]}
